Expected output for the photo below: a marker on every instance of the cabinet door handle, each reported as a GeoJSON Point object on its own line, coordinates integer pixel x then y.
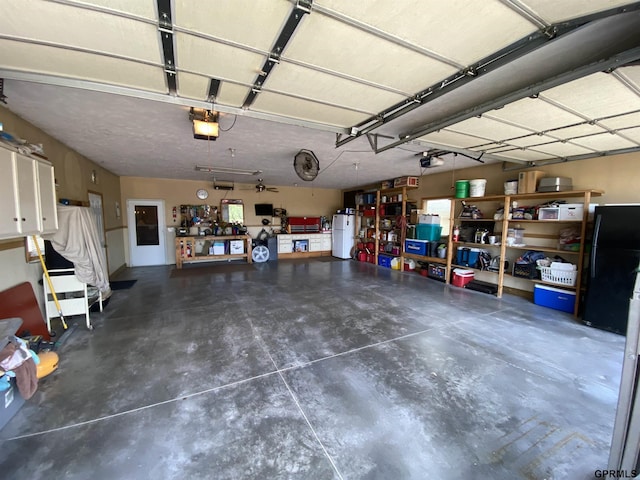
{"type": "Point", "coordinates": [44, 219]}
{"type": "Point", "coordinates": [15, 219]}
{"type": "Point", "coordinates": [24, 219]}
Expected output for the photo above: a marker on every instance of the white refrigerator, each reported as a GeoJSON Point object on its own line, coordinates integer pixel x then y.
{"type": "Point", "coordinates": [342, 233]}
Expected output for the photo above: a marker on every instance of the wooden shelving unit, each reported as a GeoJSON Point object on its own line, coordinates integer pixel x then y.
{"type": "Point", "coordinates": [186, 249]}
{"type": "Point", "coordinates": [373, 223]}
{"type": "Point", "coordinates": [577, 257]}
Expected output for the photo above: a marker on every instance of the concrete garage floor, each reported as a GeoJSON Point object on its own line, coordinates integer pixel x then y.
{"type": "Point", "coordinates": [319, 370]}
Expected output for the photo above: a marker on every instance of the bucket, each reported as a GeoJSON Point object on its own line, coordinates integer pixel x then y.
{"type": "Point", "coordinates": [511, 187]}
{"type": "Point", "coordinates": [462, 188]}
{"type": "Point", "coordinates": [476, 187]}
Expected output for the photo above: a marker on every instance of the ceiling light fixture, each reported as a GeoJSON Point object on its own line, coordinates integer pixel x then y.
{"type": "Point", "coordinates": [227, 170]}
{"type": "Point", "coordinates": [205, 124]}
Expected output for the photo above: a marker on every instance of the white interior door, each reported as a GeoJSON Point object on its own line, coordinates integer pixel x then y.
{"type": "Point", "coordinates": [95, 203]}
{"type": "Point", "coordinates": [146, 225]}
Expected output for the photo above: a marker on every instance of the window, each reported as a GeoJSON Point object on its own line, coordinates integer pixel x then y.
{"type": "Point", "coordinates": [441, 207]}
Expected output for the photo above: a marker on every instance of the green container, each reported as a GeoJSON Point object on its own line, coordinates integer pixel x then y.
{"type": "Point", "coordinates": [462, 188]}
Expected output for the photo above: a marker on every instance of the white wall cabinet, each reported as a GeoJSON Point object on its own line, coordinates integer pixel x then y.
{"type": "Point", "coordinates": [27, 196]}
{"type": "Point", "coordinates": [47, 197]}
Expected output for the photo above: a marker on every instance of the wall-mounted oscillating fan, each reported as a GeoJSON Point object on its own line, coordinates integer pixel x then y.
{"type": "Point", "coordinates": [306, 164]}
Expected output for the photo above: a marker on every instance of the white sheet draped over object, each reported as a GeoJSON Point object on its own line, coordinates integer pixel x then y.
{"type": "Point", "coordinates": [78, 241]}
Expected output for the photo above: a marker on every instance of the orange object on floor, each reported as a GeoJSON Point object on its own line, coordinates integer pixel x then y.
{"type": "Point", "coordinates": [48, 364]}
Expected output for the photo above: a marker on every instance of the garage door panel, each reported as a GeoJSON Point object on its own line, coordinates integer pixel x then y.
{"type": "Point", "coordinates": [315, 85]}
{"type": "Point", "coordinates": [216, 60]}
{"type": "Point", "coordinates": [328, 44]}
{"type": "Point", "coordinates": [305, 110]}
{"type": "Point", "coordinates": [247, 22]}
{"type": "Point", "coordinates": [86, 66]}
{"type": "Point", "coordinates": [86, 29]}
{"type": "Point", "coordinates": [595, 96]}
{"type": "Point", "coordinates": [481, 28]}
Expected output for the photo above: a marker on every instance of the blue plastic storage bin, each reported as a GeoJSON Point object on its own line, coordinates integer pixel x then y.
{"type": "Point", "coordinates": [417, 247]}
{"type": "Point", "coordinates": [428, 232]}
{"type": "Point", "coordinates": [555, 298]}
{"type": "Point", "coordinates": [384, 261]}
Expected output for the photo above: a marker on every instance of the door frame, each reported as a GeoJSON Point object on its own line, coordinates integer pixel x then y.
{"type": "Point", "coordinates": [104, 227]}
{"type": "Point", "coordinates": [131, 226]}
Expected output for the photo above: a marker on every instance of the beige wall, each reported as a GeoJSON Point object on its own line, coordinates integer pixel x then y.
{"type": "Point", "coordinates": [297, 201]}
{"type": "Point", "coordinates": [617, 176]}
{"type": "Point", "coordinates": [73, 175]}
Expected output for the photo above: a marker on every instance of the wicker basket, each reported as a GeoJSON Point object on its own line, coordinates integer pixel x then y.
{"type": "Point", "coordinates": [558, 277]}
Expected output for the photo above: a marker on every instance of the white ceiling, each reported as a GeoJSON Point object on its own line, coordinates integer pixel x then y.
{"type": "Point", "coordinates": [93, 75]}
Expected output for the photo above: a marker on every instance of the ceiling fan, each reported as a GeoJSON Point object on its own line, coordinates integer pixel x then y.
{"type": "Point", "coordinates": [261, 187]}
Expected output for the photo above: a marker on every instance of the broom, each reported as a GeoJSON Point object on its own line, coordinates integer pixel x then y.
{"type": "Point", "coordinates": [46, 274]}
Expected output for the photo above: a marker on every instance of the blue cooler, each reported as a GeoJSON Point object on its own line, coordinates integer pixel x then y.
{"type": "Point", "coordinates": [467, 257]}
{"type": "Point", "coordinates": [417, 247]}
{"type": "Point", "coordinates": [555, 298]}
{"type": "Point", "coordinates": [428, 232]}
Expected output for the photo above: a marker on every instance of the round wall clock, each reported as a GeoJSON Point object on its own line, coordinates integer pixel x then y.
{"type": "Point", "coordinates": [202, 194]}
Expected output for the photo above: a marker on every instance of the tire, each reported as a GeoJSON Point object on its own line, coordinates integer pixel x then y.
{"type": "Point", "coordinates": [260, 254]}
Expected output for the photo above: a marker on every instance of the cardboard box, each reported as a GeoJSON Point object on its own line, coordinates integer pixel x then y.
{"type": "Point", "coordinates": [236, 246]}
{"type": "Point", "coordinates": [414, 215]}
{"type": "Point", "coordinates": [218, 248]}
{"type": "Point", "coordinates": [571, 211]}
{"type": "Point", "coordinates": [405, 182]}
{"type": "Point", "coordinates": [528, 181]}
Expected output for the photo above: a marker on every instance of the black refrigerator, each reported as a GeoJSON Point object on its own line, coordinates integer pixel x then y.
{"type": "Point", "coordinates": [615, 256]}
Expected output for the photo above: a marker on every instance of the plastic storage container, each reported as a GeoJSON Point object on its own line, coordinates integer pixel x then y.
{"type": "Point", "coordinates": [555, 298]}
{"type": "Point", "coordinates": [511, 187]}
{"type": "Point", "coordinates": [384, 261]}
{"type": "Point", "coordinates": [477, 187]}
{"type": "Point", "coordinates": [548, 213]}
{"type": "Point", "coordinates": [417, 247]}
{"type": "Point", "coordinates": [560, 274]}
{"type": "Point", "coordinates": [467, 257]}
{"type": "Point", "coordinates": [461, 277]}
{"type": "Point", "coordinates": [428, 232]}
{"type": "Point", "coordinates": [462, 188]}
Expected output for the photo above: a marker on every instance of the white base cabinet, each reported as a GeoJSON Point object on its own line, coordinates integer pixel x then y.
{"type": "Point", "coordinates": [303, 243]}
